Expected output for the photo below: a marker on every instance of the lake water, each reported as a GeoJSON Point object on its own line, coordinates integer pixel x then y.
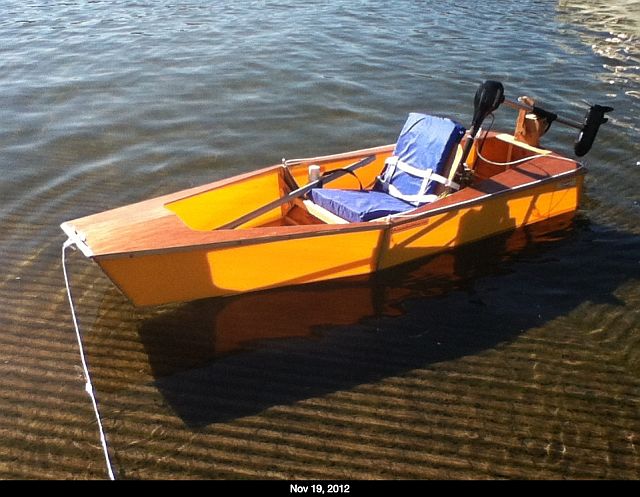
{"type": "Point", "coordinates": [515, 358]}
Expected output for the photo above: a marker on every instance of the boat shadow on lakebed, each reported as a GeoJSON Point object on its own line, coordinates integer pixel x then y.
{"type": "Point", "coordinates": [219, 359]}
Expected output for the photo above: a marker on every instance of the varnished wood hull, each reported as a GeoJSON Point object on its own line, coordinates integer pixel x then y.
{"type": "Point", "coordinates": [169, 250]}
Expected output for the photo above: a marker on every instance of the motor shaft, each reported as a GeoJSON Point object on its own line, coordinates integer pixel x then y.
{"type": "Point", "coordinates": [541, 112]}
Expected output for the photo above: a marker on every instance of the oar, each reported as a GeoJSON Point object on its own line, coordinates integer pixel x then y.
{"type": "Point", "coordinates": [298, 193]}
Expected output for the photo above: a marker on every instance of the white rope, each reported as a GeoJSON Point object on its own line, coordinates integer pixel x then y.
{"type": "Point", "coordinates": [88, 386]}
{"type": "Point", "coordinates": [525, 159]}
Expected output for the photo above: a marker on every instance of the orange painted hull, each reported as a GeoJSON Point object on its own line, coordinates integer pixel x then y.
{"type": "Point", "coordinates": [169, 249]}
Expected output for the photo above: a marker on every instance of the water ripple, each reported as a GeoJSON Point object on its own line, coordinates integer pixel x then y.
{"type": "Point", "coordinates": [106, 102]}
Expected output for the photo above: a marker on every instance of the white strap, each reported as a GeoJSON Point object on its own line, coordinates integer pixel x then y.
{"type": "Point", "coordinates": [412, 199]}
{"type": "Point", "coordinates": [389, 169]}
{"type": "Point", "coordinates": [427, 174]}
{"type": "Point", "coordinates": [420, 173]}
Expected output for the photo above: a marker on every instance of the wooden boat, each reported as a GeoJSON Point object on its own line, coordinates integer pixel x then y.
{"type": "Point", "coordinates": [256, 230]}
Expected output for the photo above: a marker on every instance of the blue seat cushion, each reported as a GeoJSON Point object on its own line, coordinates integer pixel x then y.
{"type": "Point", "coordinates": [425, 144]}
{"type": "Point", "coordinates": [358, 205]}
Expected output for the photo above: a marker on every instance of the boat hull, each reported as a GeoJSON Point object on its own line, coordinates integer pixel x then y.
{"type": "Point", "coordinates": [153, 279]}
{"type": "Point", "coordinates": [168, 249]}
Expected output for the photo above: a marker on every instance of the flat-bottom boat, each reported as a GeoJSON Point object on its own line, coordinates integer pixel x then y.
{"type": "Point", "coordinates": [339, 215]}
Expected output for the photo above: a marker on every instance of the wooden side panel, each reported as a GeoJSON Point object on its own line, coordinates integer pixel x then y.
{"type": "Point", "coordinates": [490, 217]}
{"type": "Point", "coordinates": [155, 279]}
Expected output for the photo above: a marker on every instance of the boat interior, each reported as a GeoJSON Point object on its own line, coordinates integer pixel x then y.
{"type": "Point", "coordinates": [220, 203]}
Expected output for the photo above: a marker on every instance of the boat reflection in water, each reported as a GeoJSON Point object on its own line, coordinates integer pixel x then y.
{"type": "Point", "coordinates": [193, 334]}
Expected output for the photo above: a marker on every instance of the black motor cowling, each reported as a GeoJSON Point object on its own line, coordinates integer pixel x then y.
{"type": "Point", "coordinates": [489, 96]}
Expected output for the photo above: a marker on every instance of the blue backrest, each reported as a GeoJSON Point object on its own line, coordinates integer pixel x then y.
{"type": "Point", "coordinates": [421, 153]}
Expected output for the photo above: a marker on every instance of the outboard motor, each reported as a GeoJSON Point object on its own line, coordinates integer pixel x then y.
{"type": "Point", "coordinates": [489, 96]}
